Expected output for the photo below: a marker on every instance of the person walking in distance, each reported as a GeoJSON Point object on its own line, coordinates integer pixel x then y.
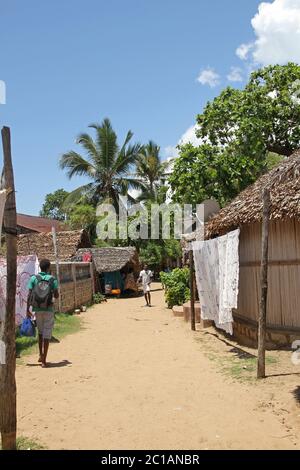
{"type": "Point", "coordinates": [145, 278]}
{"type": "Point", "coordinates": [42, 288]}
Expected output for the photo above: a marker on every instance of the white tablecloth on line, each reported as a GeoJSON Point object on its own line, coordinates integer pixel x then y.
{"type": "Point", "coordinates": [217, 277]}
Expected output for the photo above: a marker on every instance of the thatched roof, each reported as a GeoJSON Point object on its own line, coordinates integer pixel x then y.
{"type": "Point", "coordinates": [246, 208]}
{"type": "Point", "coordinates": [113, 258]}
{"type": "Point", "coordinates": [41, 244]}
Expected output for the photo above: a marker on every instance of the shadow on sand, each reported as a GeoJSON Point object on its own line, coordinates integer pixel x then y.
{"type": "Point", "coordinates": [51, 365]}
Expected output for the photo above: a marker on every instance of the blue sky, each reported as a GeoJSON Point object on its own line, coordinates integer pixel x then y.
{"type": "Point", "coordinates": [68, 63]}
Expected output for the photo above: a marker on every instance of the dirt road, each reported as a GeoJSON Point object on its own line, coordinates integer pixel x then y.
{"type": "Point", "coordinates": [136, 378]}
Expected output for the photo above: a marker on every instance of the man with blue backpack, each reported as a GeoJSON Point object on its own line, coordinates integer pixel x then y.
{"type": "Point", "coordinates": [42, 288]}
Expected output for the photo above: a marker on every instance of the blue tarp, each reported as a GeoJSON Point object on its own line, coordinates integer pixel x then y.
{"type": "Point", "coordinates": [115, 279]}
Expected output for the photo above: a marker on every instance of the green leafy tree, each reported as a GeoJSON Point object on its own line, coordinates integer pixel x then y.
{"type": "Point", "coordinates": [152, 254]}
{"type": "Point", "coordinates": [53, 207]}
{"type": "Point", "coordinates": [106, 165]}
{"type": "Point", "coordinates": [205, 172]}
{"type": "Point", "coordinates": [83, 216]}
{"type": "Point", "coordinates": [264, 117]}
{"type": "Point", "coordinates": [244, 133]}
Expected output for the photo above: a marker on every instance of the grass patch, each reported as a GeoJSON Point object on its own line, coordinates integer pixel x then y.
{"type": "Point", "coordinates": [65, 324]}
{"type": "Point", "coordinates": [23, 443]}
{"type": "Point", "coordinates": [234, 363]}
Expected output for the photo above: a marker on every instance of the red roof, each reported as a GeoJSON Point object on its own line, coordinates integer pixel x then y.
{"type": "Point", "coordinates": [38, 224]}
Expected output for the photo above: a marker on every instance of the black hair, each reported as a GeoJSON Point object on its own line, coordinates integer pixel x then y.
{"type": "Point", "coordinates": [45, 265]}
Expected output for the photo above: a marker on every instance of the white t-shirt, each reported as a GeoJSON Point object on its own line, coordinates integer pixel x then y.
{"type": "Point", "coordinates": [146, 276]}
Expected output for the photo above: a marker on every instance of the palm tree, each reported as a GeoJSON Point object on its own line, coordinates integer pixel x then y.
{"type": "Point", "coordinates": [106, 165]}
{"type": "Point", "coordinates": [151, 171]}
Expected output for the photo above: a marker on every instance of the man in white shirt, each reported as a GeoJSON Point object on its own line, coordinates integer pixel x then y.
{"type": "Point", "coordinates": [145, 278]}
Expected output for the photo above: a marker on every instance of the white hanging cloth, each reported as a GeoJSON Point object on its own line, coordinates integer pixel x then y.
{"type": "Point", "coordinates": [217, 277]}
{"type": "Point", "coordinates": [26, 267]}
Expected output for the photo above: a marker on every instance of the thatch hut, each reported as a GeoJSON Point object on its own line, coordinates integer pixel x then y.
{"type": "Point", "coordinates": [41, 244]}
{"type": "Point", "coordinates": [245, 212]}
{"type": "Point", "coordinates": [114, 265]}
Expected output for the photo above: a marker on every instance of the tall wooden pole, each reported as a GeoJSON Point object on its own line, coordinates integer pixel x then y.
{"type": "Point", "coordinates": [57, 266]}
{"type": "Point", "coordinates": [8, 407]}
{"type": "Point", "coordinates": [261, 363]}
{"type": "Point", "coordinates": [191, 263]}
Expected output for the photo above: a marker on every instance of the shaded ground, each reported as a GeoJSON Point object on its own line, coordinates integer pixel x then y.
{"type": "Point", "coordinates": [138, 378]}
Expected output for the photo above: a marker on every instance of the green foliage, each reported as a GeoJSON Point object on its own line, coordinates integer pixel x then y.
{"type": "Point", "coordinates": [65, 324]}
{"type": "Point", "coordinates": [83, 216]}
{"type": "Point", "coordinates": [151, 254]}
{"type": "Point", "coordinates": [176, 285]}
{"type": "Point", "coordinates": [23, 443]}
{"type": "Point", "coordinates": [242, 132]}
{"type": "Point", "coordinates": [157, 253]}
{"type": "Point", "coordinates": [265, 116]}
{"type": "Point", "coordinates": [273, 159]}
{"type": "Point", "coordinates": [206, 172]}
{"type": "Point", "coordinates": [106, 165]}
{"type": "Point", "coordinates": [151, 172]}
{"type": "Point", "coordinates": [98, 298]}
{"type": "Point", "coordinates": [53, 205]}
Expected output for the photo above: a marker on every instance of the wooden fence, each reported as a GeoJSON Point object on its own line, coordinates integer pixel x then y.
{"type": "Point", "coordinates": [283, 309]}
{"type": "Point", "coordinates": [76, 284]}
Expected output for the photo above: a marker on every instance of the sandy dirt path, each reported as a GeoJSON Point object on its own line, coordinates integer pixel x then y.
{"type": "Point", "coordinates": [135, 378]}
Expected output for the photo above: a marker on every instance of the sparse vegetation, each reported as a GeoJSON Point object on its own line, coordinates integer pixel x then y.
{"type": "Point", "coordinates": [23, 443]}
{"type": "Point", "coordinates": [65, 324]}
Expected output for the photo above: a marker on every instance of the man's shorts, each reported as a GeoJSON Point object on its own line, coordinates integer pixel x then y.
{"type": "Point", "coordinates": [45, 323]}
{"type": "Point", "coordinates": [146, 288]}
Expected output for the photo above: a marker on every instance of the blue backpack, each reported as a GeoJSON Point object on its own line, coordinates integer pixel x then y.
{"type": "Point", "coordinates": [27, 328]}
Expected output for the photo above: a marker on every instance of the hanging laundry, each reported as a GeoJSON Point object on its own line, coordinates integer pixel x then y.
{"type": "Point", "coordinates": [26, 267]}
{"type": "Point", "coordinates": [217, 277]}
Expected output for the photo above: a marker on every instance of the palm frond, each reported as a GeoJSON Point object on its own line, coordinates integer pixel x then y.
{"type": "Point", "coordinates": [107, 146]}
{"type": "Point", "coordinates": [126, 142]}
{"type": "Point", "coordinates": [75, 164]}
{"type": "Point", "coordinates": [88, 144]}
{"type": "Point", "coordinates": [127, 159]}
{"type": "Point", "coordinates": [78, 193]}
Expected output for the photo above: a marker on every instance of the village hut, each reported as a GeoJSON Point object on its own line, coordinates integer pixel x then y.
{"type": "Point", "coordinates": [117, 267]}
{"type": "Point", "coordinates": [41, 244]}
{"type": "Point", "coordinates": [245, 212]}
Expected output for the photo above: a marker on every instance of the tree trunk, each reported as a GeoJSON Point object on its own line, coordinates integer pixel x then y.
{"type": "Point", "coordinates": [192, 289]}
{"type": "Point", "coordinates": [261, 368]}
{"type": "Point", "coordinates": [8, 414]}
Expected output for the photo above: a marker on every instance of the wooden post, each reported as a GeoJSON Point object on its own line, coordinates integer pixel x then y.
{"type": "Point", "coordinates": [191, 263]}
{"type": "Point", "coordinates": [57, 266]}
{"type": "Point", "coordinates": [261, 366]}
{"type": "Point", "coordinates": [92, 277]}
{"type": "Point", "coordinates": [8, 408]}
{"type": "Point", "coordinates": [75, 284]}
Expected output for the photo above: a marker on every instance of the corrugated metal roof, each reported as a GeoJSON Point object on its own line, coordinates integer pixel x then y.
{"type": "Point", "coordinates": [39, 224]}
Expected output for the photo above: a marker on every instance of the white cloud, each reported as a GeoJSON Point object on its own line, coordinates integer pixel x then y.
{"type": "Point", "coordinates": [235, 75]}
{"type": "Point", "coordinates": [188, 137]}
{"type": "Point", "coordinates": [243, 51]}
{"type": "Point", "coordinates": [209, 77]}
{"type": "Point", "coordinates": [277, 30]}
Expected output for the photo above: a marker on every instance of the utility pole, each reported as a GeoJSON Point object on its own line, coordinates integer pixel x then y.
{"type": "Point", "coordinates": [8, 393]}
